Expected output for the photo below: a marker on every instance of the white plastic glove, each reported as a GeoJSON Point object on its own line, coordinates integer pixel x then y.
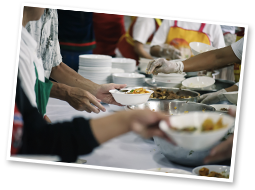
{"type": "Point", "coordinates": [169, 52]}
{"type": "Point", "coordinates": [212, 98]}
{"type": "Point", "coordinates": [161, 65]}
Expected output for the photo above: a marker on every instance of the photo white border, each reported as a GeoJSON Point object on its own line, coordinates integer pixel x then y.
{"type": "Point", "coordinates": [131, 170]}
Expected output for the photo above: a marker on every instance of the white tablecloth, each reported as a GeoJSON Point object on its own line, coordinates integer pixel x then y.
{"type": "Point", "coordinates": [128, 151]}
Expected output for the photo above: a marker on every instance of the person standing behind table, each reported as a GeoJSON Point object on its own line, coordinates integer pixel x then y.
{"type": "Point", "coordinates": [173, 37]}
{"type": "Point", "coordinates": [227, 73]}
{"type": "Point", "coordinates": [76, 35]}
{"type": "Point", "coordinates": [71, 87]}
{"type": "Point", "coordinates": [133, 44]}
{"type": "Point", "coordinates": [108, 29]}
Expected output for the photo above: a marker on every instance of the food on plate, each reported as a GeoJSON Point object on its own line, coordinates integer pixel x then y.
{"type": "Point", "coordinates": [166, 94]}
{"type": "Point", "coordinates": [223, 109]}
{"type": "Point", "coordinates": [205, 172]}
{"type": "Point", "coordinates": [207, 125]}
{"type": "Point", "coordinates": [138, 91]}
{"type": "Point", "coordinates": [186, 129]}
{"type": "Point", "coordinates": [186, 112]}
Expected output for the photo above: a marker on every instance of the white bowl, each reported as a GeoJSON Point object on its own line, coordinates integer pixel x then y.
{"type": "Point", "coordinates": [130, 99]}
{"type": "Point", "coordinates": [198, 47]}
{"type": "Point", "coordinates": [128, 75]}
{"type": "Point", "coordinates": [196, 141]}
{"type": "Point", "coordinates": [225, 170]}
{"type": "Point", "coordinates": [198, 82]}
{"type": "Point", "coordinates": [170, 170]}
{"type": "Point", "coordinates": [218, 107]}
{"type": "Point", "coordinates": [231, 96]}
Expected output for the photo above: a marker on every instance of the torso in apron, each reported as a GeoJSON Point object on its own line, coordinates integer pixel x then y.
{"type": "Point", "coordinates": [180, 38]}
{"type": "Point", "coordinates": [126, 42]}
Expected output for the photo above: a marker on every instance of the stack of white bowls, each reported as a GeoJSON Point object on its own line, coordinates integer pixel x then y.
{"type": "Point", "coordinates": [96, 68]}
{"type": "Point", "coordinates": [143, 63]}
{"type": "Point", "coordinates": [128, 65]}
{"type": "Point", "coordinates": [169, 80]}
{"type": "Point", "coordinates": [130, 79]}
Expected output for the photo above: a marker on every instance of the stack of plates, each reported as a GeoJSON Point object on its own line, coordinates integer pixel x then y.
{"type": "Point", "coordinates": [128, 65]}
{"type": "Point", "coordinates": [169, 80]}
{"type": "Point", "coordinates": [93, 60]}
{"type": "Point", "coordinates": [131, 79]}
{"type": "Point", "coordinates": [143, 63]}
{"type": "Point", "coordinates": [96, 68]}
{"type": "Point", "coordinates": [99, 75]}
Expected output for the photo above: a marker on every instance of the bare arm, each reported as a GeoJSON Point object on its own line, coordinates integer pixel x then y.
{"type": "Point", "coordinates": [155, 51]}
{"type": "Point", "coordinates": [138, 47]}
{"type": "Point", "coordinates": [210, 60]}
{"type": "Point", "coordinates": [64, 74]}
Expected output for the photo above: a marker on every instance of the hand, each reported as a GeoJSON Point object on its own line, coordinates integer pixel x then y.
{"type": "Point", "coordinates": [212, 98]}
{"type": "Point", "coordinates": [47, 119]}
{"type": "Point", "coordinates": [81, 100]}
{"type": "Point", "coordinates": [146, 123]}
{"type": "Point", "coordinates": [163, 66]}
{"type": "Point", "coordinates": [104, 94]}
{"type": "Point", "coordinates": [222, 151]}
{"type": "Point", "coordinates": [170, 52]}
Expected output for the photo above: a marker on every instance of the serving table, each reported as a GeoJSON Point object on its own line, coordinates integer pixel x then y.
{"type": "Point", "coordinates": [128, 151]}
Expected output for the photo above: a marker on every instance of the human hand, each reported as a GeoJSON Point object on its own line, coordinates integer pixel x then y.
{"type": "Point", "coordinates": [104, 94]}
{"type": "Point", "coordinates": [223, 150]}
{"type": "Point", "coordinates": [163, 66]}
{"type": "Point", "coordinates": [146, 123]}
{"type": "Point", "coordinates": [81, 100]}
{"type": "Point", "coordinates": [212, 98]}
{"type": "Point", "coordinates": [169, 52]}
{"type": "Point", "coordinates": [47, 119]}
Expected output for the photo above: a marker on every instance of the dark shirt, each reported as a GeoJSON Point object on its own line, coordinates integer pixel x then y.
{"type": "Point", "coordinates": [66, 139]}
{"type": "Point", "coordinates": [75, 30]}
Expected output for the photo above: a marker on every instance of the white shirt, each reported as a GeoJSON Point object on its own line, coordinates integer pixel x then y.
{"type": "Point", "coordinates": [237, 47]}
{"type": "Point", "coordinates": [45, 33]}
{"type": "Point", "coordinates": [27, 59]}
{"type": "Point", "coordinates": [214, 32]}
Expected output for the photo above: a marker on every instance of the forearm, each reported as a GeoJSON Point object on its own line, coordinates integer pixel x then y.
{"type": "Point", "coordinates": [59, 91]}
{"type": "Point", "coordinates": [211, 60]}
{"type": "Point", "coordinates": [155, 51]}
{"type": "Point", "coordinates": [232, 88]}
{"type": "Point", "coordinates": [64, 74]}
{"type": "Point", "coordinates": [139, 49]}
{"type": "Point", "coordinates": [109, 127]}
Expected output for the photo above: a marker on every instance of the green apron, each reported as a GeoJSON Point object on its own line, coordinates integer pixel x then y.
{"type": "Point", "coordinates": [42, 93]}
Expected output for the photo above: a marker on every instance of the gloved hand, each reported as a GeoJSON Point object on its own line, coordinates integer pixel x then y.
{"type": "Point", "coordinates": [169, 52]}
{"type": "Point", "coordinates": [163, 66]}
{"type": "Point", "coordinates": [212, 98]}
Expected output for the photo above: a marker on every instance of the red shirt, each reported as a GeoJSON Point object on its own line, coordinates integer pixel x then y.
{"type": "Point", "coordinates": [108, 29]}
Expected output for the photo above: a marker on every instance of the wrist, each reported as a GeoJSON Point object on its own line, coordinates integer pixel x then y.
{"type": "Point", "coordinates": [60, 91]}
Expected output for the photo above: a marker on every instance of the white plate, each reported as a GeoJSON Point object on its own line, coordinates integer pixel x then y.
{"type": "Point", "coordinates": [197, 141]}
{"type": "Point", "coordinates": [198, 82]}
{"type": "Point", "coordinates": [225, 170]}
{"type": "Point", "coordinates": [128, 75]}
{"type": "Point", "coordinates": [231, 96]}
{"type": "Point", "coordinates": [170, 170]}
{"type": "Point", "coordinates": [220, 106]}
{"type": "Point", "coordinates": [198, 47]}
{"type": "Point", "coordinates": [95, 57]}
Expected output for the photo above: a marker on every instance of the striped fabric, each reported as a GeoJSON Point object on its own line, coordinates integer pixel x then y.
{"type": "Point", "coordinates": [16, 131]}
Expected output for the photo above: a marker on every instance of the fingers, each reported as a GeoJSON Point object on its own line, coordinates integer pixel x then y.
{"type": "Point", "coordinates": [94, 101]}
{"type": "Point", "coordinates": [149, 66]}
{"type": "Point", "coordinates": [119, 86]}
{"type": "Point", "coordinates": [156, 63]}
{"type": "Point", "coordinates": [201, 98]}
